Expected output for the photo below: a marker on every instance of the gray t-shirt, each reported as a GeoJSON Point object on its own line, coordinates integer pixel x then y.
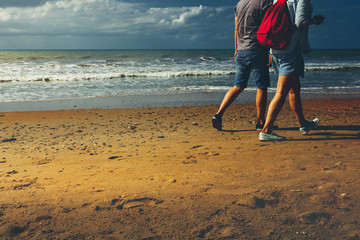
{"type": "Point", "coordinates": [249, 16]}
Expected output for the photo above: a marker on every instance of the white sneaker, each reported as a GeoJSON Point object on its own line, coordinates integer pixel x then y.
{"type": "Point", "coordinates": [271, 137]}
{"type": "Point", "coordinates": [311, 125]}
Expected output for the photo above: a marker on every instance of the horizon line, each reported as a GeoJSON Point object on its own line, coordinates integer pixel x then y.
{"type": "Point", "coordinates": [112, 49]}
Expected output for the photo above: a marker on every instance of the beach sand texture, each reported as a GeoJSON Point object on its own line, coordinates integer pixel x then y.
{"type": "Point", "coordinates": [165, 173]}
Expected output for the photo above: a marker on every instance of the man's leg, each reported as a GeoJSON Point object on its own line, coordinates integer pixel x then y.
{"type": "Point", "coordinates": [243, 69]}
{"type": "Point", "coordinates": [261, 100]}
{"type": "Point", "coordinates": [229, 98]}
{"type": "Point", "coordinates": [262, 80]}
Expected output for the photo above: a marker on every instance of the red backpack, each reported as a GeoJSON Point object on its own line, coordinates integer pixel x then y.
{"type": "Point", "coordinates": [276, 27]}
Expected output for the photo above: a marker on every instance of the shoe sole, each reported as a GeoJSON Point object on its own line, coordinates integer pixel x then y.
{"type": "Point", "coordinates": [268, 140]}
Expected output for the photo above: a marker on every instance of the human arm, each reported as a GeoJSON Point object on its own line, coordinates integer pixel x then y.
{"type": "Point", "coordinates": [235, 38]}
{"type": "Point", "coordinates": [303, 15]}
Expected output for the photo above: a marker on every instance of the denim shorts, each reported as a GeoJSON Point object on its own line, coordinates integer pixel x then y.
{"type": "Point", "coordinates": [287, 64]}
{"type": "Point", "coordinates": [252, 61]}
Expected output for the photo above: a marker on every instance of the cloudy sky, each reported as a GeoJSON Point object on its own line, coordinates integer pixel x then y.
{"type": "Point", "coordinates": [151, 24]}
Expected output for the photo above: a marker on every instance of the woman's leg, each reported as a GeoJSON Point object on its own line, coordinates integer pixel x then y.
{"type": "Point", "coordinates": [285, 83]}
{"type": "Point", "coordinates": [295, 102]}
{"type": "Point", "coordinates": [296, 106]}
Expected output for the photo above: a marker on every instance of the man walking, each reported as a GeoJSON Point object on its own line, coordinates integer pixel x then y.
{"type": "Point", "coordinates": [250, 56]}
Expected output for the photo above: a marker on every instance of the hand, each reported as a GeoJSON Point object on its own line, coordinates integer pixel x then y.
{"type": "Point", "coordinates": [269, 62]}
{"type": "Point", "coordinates": [317, 20]}
{"type": "Point", "coordinates": [235, 55]}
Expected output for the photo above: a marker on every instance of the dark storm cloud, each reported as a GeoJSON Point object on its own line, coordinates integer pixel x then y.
{"type": "Point", "coordinates": [150, 24]}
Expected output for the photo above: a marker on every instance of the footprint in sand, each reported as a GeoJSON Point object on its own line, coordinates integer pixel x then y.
{"type": "Point", "coordinates": [138, 202]}
{"type": "Point", "coordinates": [27, 182]}
{"type": "Point", "coordinates": [257, 202]}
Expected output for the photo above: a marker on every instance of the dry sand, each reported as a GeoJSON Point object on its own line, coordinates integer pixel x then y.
{"type": "Point", "coordinates": [165, 173]}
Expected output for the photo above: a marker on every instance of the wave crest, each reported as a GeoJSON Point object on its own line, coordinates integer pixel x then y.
{"type": "Point", "coordinates": [95, 76]}
{"type": "Point", "coordinates": [332, 68]}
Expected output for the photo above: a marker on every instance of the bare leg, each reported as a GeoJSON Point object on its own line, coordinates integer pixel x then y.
{"type": "Point", "coordinates": [295, 102]}
{"type": "Point", "coordinates": [285, 83]}
{"type": "Point", "coordinates": [261, 100]}
{"type": "Point", "coordinates": [229, 98]}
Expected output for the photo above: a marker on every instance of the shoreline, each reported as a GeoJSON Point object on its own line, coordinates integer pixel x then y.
{"type": "Point", "coordinates": [158, 100]}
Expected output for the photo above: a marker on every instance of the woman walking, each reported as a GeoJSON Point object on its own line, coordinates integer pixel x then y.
{"type": "Point", "coordinates": [289, 64]}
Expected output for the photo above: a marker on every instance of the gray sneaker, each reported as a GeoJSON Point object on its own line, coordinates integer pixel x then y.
{"type": "Point", "coordinates": [271, 137]}
{"type": "Point", "coordinates": [311, 125]}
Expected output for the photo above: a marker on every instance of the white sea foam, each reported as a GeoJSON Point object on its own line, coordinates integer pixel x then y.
{"type": "Point", "coordinates": [332, 67]}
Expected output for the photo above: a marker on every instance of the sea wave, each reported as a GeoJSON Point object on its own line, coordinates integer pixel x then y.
{"type": "Point", "coordinates": [86, 71]}
{"type": "Point", "coordinates": [96, 76]}
{"type": "Point", "coordinates": [345, 88]}
{"type": "Point", "coordinates": [333, 68]}
{"type": "Point", "coordinates": [209, 88]}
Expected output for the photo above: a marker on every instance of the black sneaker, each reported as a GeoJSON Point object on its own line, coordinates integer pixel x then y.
{"type": "Point", "coordinates": [217, 122]}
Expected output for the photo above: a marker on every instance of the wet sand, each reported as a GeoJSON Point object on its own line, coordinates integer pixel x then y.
{"type": "Point", "coordinates": [165, 173]}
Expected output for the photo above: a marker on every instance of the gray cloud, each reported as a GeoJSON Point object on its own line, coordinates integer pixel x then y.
{"type": "Point", "coordinates": [21, 3]}
{"type": "Point", "coordinates": [75, 20]}
{"type": "Point", "coordinates": [149, 24]}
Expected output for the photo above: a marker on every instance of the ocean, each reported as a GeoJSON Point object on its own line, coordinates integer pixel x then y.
{"type": "Point", "coordinates": [34, 75]}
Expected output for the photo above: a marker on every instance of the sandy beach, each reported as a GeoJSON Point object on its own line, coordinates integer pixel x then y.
{"type": "Point", "coordinates": [165, 173]}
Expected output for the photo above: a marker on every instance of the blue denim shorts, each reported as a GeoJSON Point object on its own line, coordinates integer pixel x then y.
{"type": "Point", "coordinates": [252, 61]}
{"type": "Point", "coordinates": [286, 64]}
